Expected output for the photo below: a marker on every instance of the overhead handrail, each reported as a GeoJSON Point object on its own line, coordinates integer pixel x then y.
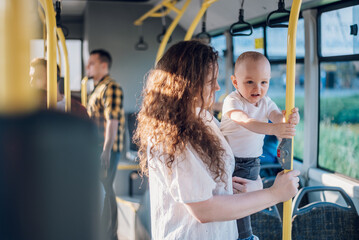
{"type": "Point", "coordinates": [170, 5]}
{"type": "Point", "coordinates": [281, 10]}
{"type": "Point", "coordinates": [289, 105]}
{"type": "Point", "coordinates": [16, 96]}
{"type": "Point", "coordinates": [51, 53]}
{"type": "Point", "coordinates": [243, 25]}
{"type": "Point", "coordinates": [164, 29]}
{"type": "Point", "coordinates": [141, 45]}
{"type": "Point", "coordinates": [205, 5]}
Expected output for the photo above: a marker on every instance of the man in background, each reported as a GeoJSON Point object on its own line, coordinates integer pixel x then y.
{"type": "Point", "coordinates": [38, 80]}
{"type": "Point", "coordinates": [105, 107]}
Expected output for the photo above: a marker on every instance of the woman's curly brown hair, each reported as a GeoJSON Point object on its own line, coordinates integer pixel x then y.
{"type": "Point", "coordinates": [168, 118]}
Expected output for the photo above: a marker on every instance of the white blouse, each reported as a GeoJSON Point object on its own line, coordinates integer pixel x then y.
{"type": "Point", "coordinates": [190, 181]}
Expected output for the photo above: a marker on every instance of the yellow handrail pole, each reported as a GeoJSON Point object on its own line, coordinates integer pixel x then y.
{"type": "Point", "coordinates": [51, 53]}
{"type": "Point", "coordinates": [16, 95]}
{"type": "Point", "coordinates": [67, 90]}
{"type": "Point", "coordinates": [84, 91]}
{"type": "Point", "coordinates": [170, 29]}
{"type": "Point", "coordinates": [153, 12]}
{"type": "Point", "coordinates": [205, 5]}
{"type": "Point", "coordinates": [289, 103]}
{"type": "Point", "coordinates": [43, 20]}
{"type": "Point", "coordinates": [58, 52]}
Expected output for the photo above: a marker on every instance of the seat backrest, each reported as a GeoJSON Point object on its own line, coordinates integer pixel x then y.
{"type": "Point", "coordinates": [266, 224]}
{"type": "Point", "coordinates": [49, 177]}
{"type": "Point", "coordinates": [324, 220]}
{"type": "Point", "coordinates": [131, 126]}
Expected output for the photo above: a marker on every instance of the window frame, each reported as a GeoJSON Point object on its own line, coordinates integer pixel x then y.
{"type": "Point", "coordinates": [329, 59]}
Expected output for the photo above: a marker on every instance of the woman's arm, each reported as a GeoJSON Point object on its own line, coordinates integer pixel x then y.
{"type": "Point", "coordinates": [231, 207]}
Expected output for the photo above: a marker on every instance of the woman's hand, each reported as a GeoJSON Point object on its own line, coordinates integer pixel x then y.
{"type": "Point", "coordinates": [285, 185]}
{"type": "Point", "coordinates": [242, 185]}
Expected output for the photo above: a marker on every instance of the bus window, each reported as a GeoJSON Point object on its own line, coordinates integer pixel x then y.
{"type": "Point", "coordinates": [219, 43]}
{"type": "Point", "coordinates": [253, 42]}
{"type": "Point", "coordinates": [335, 37]}
{"type": "Point", "coordinates": [277, 41]}
{"type": "Point", "coordinates": [339, 117]}
{"type": "Point", "coordinates": [339, 91]}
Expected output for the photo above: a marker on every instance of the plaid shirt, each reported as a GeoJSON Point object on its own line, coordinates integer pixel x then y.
{"type": "Point", "coordinates": [106, 103]}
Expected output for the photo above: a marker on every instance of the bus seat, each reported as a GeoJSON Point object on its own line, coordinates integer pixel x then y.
{"type": "Point", "coordinates": [49, 184]}
{"type": "Point", "coordinates": [324, 220]}
{"type": "Point", "coordinates": [267, 224]}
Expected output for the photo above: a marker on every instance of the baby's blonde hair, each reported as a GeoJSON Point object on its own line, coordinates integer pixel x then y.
{"type": "Point", "coordinates": [250, 55]}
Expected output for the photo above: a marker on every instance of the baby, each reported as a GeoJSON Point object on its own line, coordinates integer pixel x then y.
{"type": "Point", "coordinates": [245, 116]}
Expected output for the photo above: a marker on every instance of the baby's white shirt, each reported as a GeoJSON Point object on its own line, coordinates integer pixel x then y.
{"type": "Point", "coordinates": [245, 143]}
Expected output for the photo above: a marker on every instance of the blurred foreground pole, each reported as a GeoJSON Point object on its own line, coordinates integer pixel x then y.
{"type": "Point", "coordinates": [49, 161]}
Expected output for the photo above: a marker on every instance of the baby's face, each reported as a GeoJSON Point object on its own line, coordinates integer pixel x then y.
{"type": "Point", "coordinates": [251, 79]}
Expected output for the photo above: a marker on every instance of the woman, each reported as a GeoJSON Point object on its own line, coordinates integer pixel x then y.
{"type": "Point", "coordinates": [188, 160]}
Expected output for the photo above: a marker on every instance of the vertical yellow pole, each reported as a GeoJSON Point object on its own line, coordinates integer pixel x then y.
{"type": "Point", "coordinates": [170, 29]}
{"type": "Point", "coordinates": [67, 90]}
{"type": "Point", "coordinates": [43, 20]}
{"type": "Point", "coordinates": [51, 53]}
{"type": "Point", "coordinates": [58, 51]}
{"type": "Point", "coordinates": [289, 103]}
{"type": "Point", "coordinates": [84, 91]}
{"type": "Point", "coordinates": [16, 95]}
{"type": "Point", "coordinates": [206, 4]}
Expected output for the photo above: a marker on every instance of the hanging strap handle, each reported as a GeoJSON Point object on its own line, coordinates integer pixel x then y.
{"type": "Point", "coordinates": [241, 25]}
{"type": "Point", "coordinates": [204, 34]}
{"type": "Point", "coordinates": [164, 28]}
{"type": "Point", "coordinates": [141, 45]}
{"type": "Point", "coordinates": [281, 9]}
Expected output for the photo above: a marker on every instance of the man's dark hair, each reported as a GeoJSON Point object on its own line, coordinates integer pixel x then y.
{"type": "Point", "coordinates": [104, 56]}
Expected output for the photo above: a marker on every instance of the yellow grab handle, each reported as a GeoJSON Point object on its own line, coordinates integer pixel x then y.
{"type": "Point", "coordinates": [67, 90]}
{"type": "Point", "coordinates": [289, 103]}
{"type": "Point", "coordinates": [84, 91]}
{"type": "Point", "coordinates": [51, 53]}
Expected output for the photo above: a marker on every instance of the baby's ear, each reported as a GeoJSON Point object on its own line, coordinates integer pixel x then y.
{"type": "Point", "coordinates": [234, 81]}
